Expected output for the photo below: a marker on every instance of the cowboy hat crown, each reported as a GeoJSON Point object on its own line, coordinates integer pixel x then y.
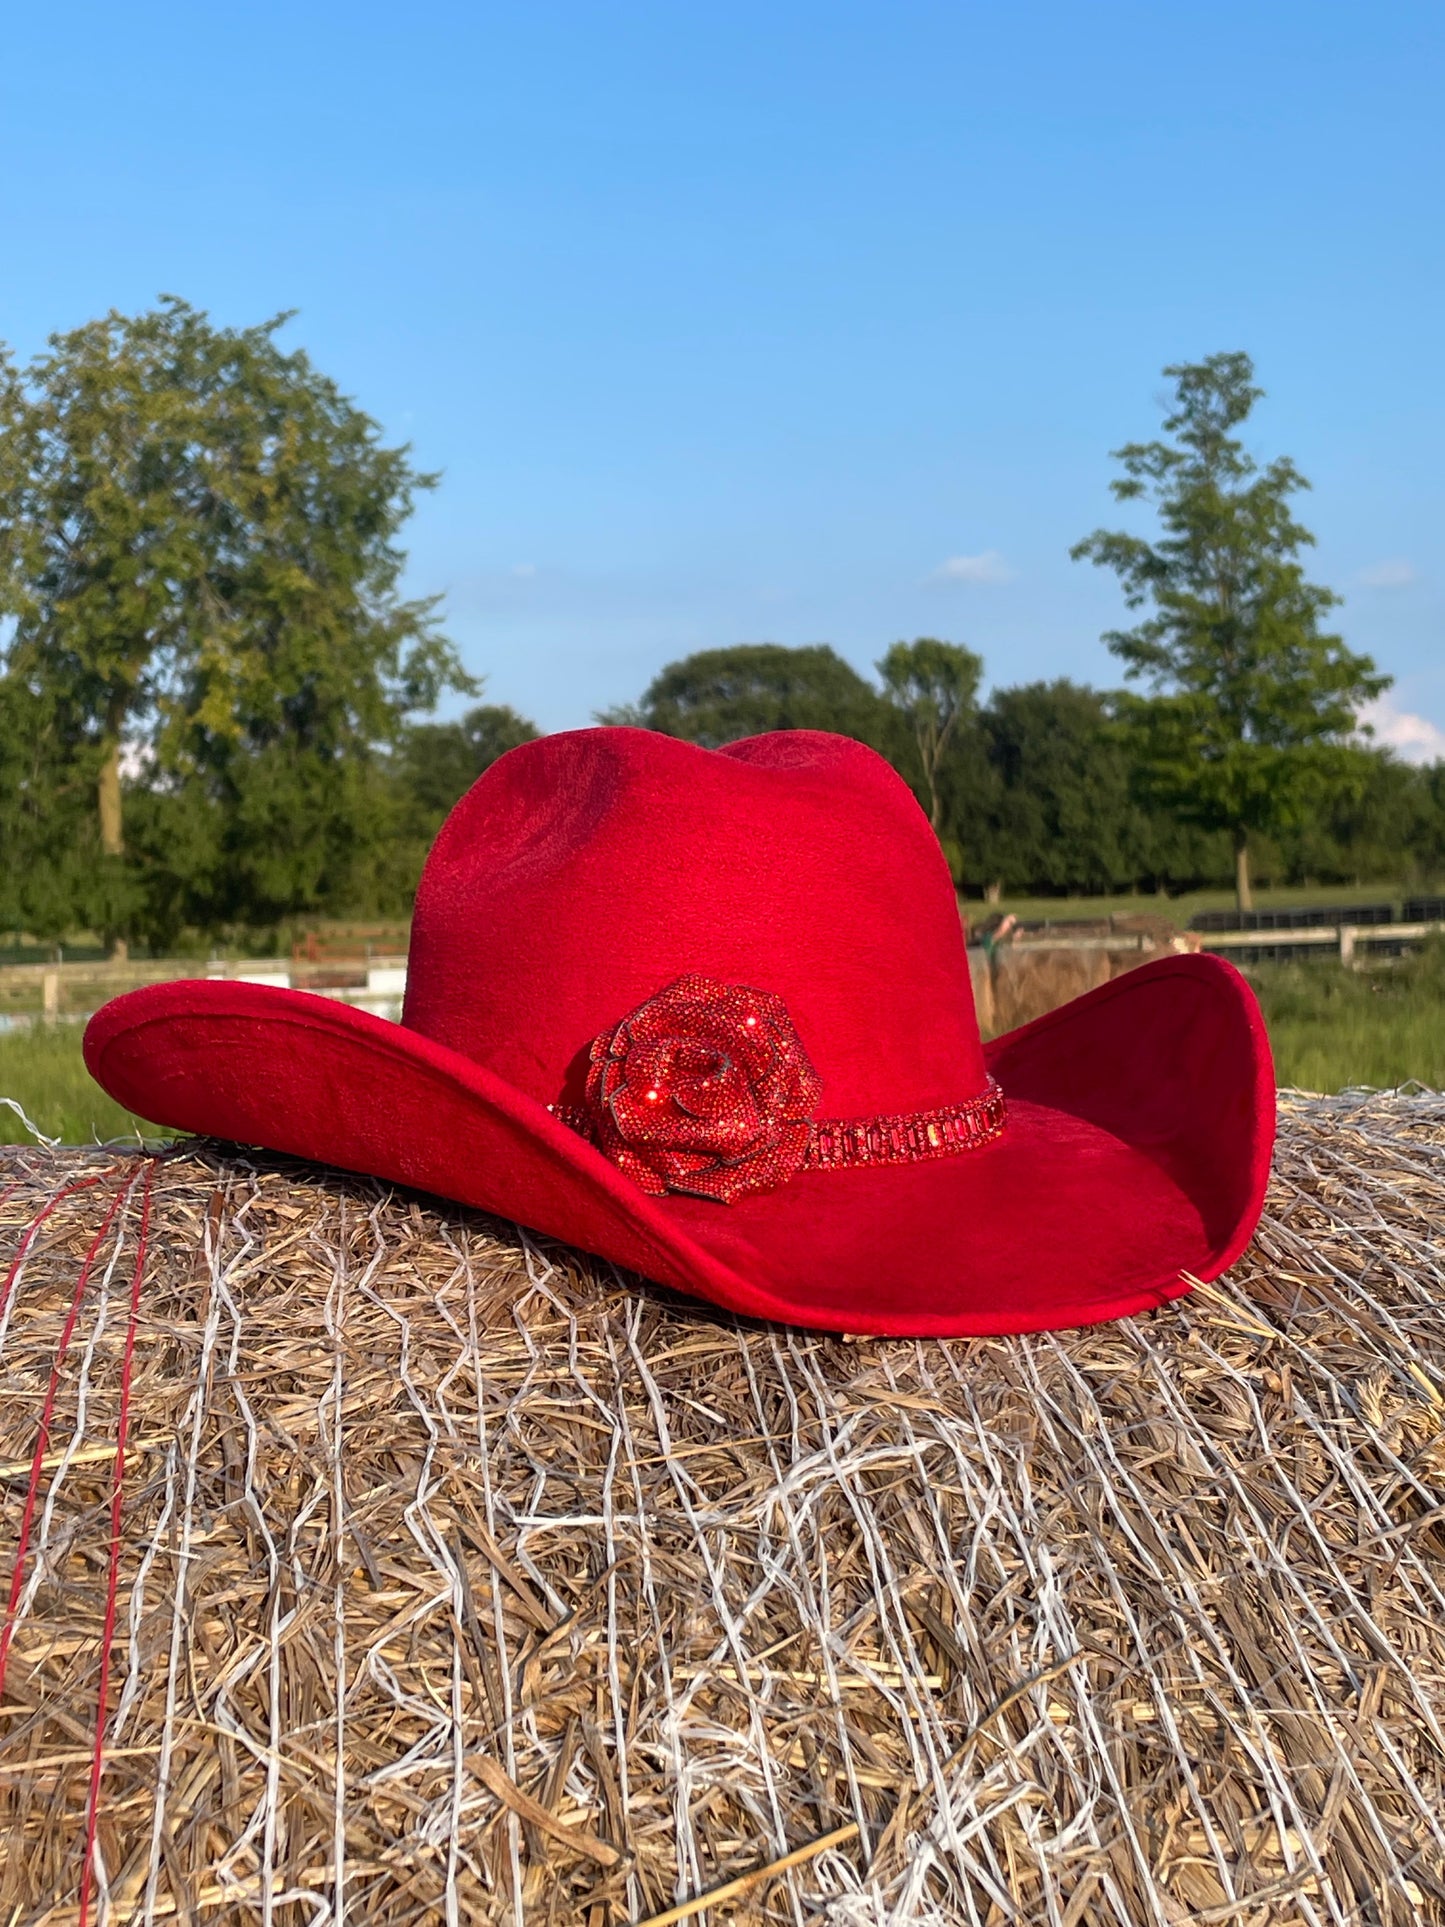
{"type": "Point", "coordinates": [584, 872]}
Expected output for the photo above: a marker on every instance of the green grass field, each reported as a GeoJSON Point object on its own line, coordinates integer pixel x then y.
{"type": "Point", "coordinates": [1330, 1028]}
{"type": "Point", "coordinates": [44, 1072]}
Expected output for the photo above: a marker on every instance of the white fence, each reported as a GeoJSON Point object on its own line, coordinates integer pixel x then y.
{"type": "Point", "coordinates": [1344, 937]}
{"type": "Point", "coordinates": [70, 992]}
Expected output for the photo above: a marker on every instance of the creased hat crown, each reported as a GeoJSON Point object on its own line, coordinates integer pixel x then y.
{"type": "Point", "coordinates": [585, 871]}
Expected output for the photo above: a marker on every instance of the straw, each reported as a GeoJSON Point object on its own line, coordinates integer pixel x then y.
{"type": "Point", "coordinates": [460, 1578]}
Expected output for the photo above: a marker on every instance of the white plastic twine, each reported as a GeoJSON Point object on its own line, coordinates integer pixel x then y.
{"type": "Point", "coordinates": [40, 1138]}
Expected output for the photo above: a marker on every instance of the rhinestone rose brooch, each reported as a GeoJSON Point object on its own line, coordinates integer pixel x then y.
{"type": "Point", "coordinates": [706, 1091]}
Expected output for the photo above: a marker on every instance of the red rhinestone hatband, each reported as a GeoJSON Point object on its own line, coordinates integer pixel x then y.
{"type": "Point", "coordinates": [843, 1143]}
{"type": "Point", "coordinates": [835, 1144]}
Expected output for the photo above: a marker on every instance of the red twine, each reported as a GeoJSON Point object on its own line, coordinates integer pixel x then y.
{"type": "Point", "coordinates": [37, 1463]}
{"type": "Point", "coordinates": [27, 1516]}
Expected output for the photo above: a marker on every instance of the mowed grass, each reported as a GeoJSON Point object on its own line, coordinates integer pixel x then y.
{"type": "Point", "coordinates": [43, 1071]}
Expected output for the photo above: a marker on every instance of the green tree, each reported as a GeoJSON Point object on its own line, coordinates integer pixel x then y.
{"type": "Point", "coordinates": [933, 686]}
{"type": "Point", "coordinates": [1252, 703]}
{"type": "Point", "coordinates": [42, 814]}
{"type": "Point", "coordinates": [437, 763]}
{"type": "Point", "coordinates": [720, 695]}
{"type": "Point", "coordinates": [1390, 827]}
{"type": "Point", "coordinates": [1064, 819]}
{"type": "Point", "coordinates": [200, 567]}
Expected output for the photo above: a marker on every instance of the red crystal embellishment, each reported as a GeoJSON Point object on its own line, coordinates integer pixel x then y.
{"type": "Point", "coordinates": [706, 1090]}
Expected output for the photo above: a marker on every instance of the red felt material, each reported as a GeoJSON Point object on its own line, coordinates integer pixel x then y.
{"type": "Point", "coordinates": [583, 873]}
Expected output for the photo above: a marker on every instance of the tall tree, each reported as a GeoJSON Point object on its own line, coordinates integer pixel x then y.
{"type": "Point", "coordinates": [720, 695]}
{"type": "Point", "coordinates": [933, 684]}
{"type": "Point", "coordinates": [201, 570]}
{"type": "Point", "coordinates": [1252, 703]}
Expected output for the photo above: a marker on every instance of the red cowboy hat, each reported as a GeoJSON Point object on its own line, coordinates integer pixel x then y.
{"type": "Point", "coordinates": [708, 1014]}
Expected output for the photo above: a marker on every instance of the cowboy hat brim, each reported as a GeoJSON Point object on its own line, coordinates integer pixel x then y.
{"type": "Point", "coordinates": [1136, 1152]}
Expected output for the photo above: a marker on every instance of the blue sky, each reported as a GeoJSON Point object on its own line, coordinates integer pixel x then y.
{"type": "Point", "coordinates": [788, 322]}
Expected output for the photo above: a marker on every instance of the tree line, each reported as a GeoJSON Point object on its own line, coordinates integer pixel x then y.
{"type": "Point", "coordinates": [218, 707]}
{"type": "Point", "coordinates": [1045, 788]}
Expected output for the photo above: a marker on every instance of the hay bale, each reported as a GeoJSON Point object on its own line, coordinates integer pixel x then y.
{"type": "Point", "coordinates": [1030, 979]}
{"type": "Point", "coordinates": [455, 1577]}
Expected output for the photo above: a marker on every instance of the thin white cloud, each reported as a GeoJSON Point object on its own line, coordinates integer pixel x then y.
{"type": "Point", "coordinates": [988, 567]}
{"type": "Point", "coordinates": [524, 569]}
{"type": "Point", "coordinates": [1415, 739]}
{"type": "Point", "coordinates": [1394, 573]}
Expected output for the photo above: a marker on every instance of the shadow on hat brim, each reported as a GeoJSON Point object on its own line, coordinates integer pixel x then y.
{"type": "Point", "coordinates": [1140, 1124]}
